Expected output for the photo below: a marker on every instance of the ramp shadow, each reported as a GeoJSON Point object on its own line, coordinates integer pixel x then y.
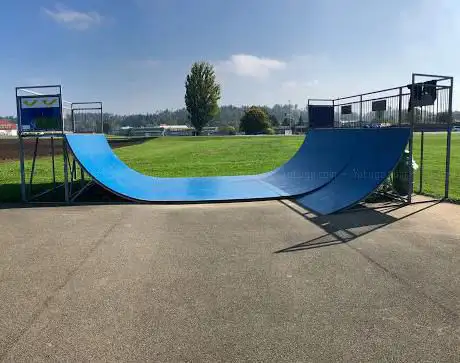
{"type": "Point", "coordinates": [347, 226]}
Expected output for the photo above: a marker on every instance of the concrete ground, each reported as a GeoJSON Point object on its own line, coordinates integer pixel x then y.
{"type": "Point", "coordinates": [258, 282]}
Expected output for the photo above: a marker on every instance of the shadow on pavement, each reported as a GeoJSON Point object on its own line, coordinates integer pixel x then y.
{"type": "Point", "coordinates": [346, 226]}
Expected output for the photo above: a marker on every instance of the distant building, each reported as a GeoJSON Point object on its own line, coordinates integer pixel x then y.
{"type": "Point", "coordinates": [8, 128]}
{"type": "Point", "coordinates": [209, 130]}
{"type": "Point", "coordinates": [161, 130]}
{"type": "Point", "coordinates": [177, 130]}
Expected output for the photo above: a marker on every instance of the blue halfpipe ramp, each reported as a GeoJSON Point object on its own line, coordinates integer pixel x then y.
{"type": "Point", "coordinates": [332, 170]}
{"type": "Point", "coordinates": [323, 154]}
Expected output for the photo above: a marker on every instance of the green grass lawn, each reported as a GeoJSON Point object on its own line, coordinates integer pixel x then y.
{"type": "Point", "coordinates": [206, 156]}
{"type": "Point", "coordinates": [434, 165]}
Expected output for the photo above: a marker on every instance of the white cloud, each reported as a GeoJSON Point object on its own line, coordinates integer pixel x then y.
{"type": "Point", "coordinates": [250, 66]}
{"type": "Point", "coordinates": [74, 19]}
{"type": "Point", "coordinates": [296, 78]}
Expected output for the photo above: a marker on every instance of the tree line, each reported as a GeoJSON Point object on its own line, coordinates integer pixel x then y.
{"type": "Point", "coordinates": [228, 115]}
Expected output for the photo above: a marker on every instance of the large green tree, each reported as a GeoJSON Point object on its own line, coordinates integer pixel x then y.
{"type": "Point", "coordinates": [255, 120]}
{"type": "Point", "coordinates": [202, 94]}
{"type": "Point", "coordinates": [273, 120]}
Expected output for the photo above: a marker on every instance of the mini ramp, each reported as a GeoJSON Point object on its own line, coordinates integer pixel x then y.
{"type": "Point", "coordinates": [323, 156]}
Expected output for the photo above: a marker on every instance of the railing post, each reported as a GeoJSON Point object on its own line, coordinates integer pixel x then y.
{"type": "Point", "coordinates": [333, 113]}
{"type": "Point", "coordinates": [449, 139]}
{"type": "Point", "coordinates": [410, 181]}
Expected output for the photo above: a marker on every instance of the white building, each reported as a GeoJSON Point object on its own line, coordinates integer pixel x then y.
{"type": "Point", "coordinates": [8, 128]}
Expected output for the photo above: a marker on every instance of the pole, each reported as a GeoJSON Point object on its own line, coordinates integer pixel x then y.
{"type": "Point", "coordinates": [411, 151]}
{"type": "Point", "coordinates": [72, 119]}
{"type": "Point", "coordinates": [449, 140]}
{"type": "Point", "coordinates": [400, 106]}
{"type": "Point", "coordinates": [22, 169]}
{"type": "Point", "coordinates": [338, 121]}
{"type": "Point", "coordinates": [21, 150]}
{"type": "Point", "coordinates": [102, 121]}
{"type": "Point", "coordinates": [66, 171]}
{"type": "Point", "coordinates": [52, 160]}
{"type": "Point", "coordinates": [422, 142]}
{"type": "Point", "coordinates": [33, 165]}
{"type": "Point", "coordinates": [361, 110]}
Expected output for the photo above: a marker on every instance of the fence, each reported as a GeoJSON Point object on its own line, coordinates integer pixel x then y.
{"type": "Point", "coordinates": [393, 106]}
{"type": "Point", "coordinates": [87, 117]}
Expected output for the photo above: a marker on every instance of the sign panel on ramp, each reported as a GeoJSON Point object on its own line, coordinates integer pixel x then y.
{"type": "Point", "coordinates": [40, 113]}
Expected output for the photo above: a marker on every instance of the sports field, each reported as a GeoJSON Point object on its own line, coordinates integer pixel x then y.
{"type": "Point", "coordinates": [206, 156]}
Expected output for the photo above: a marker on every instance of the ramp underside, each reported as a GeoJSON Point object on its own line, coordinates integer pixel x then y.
{"type": "Point", "coordinates": [323, 154]}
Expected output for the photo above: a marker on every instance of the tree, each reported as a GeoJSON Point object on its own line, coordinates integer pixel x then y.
{"type": "Point", "coordinates": [443, 117]}
{"type": "Point", "coordinates": [273, 120]}
{"type": "Point", "coordinates": [300, 122]}
{"type": "Point", "coordinates": [416, 113]}
{"type": "Point", "coordinates": [202, 94]}
{"type": "Point", "coordinates": [107, 128]}
{"type": "Point", "coordinates": [255, 120]}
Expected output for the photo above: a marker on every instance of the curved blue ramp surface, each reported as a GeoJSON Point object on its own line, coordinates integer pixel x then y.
{"type": "Point", "coordinates": [323, 154]}
{"type": "Point", "coordinates": [321, 157]}
{"type": "Point", "coordinates": [376, 156]}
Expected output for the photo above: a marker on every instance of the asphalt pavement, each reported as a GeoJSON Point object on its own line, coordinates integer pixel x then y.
{"type": "Point", "coordinates": [256, 282]}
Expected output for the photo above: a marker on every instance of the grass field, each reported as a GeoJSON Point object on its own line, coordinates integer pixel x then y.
{"type": "Point", "coordinates": [205, 156]}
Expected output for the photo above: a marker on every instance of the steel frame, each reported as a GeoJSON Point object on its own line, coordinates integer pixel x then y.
{"type": "Point", "coordinates": [75, 183]}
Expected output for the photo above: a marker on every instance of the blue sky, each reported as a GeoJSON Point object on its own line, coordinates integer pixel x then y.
{"type": "Point", "coordinates": [134, 54]}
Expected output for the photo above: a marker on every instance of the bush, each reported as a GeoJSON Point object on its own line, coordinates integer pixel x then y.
{"type": "Point", "coordinates": [227, 130]}
{"type": "Point", "coordinates": [254, 121]}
